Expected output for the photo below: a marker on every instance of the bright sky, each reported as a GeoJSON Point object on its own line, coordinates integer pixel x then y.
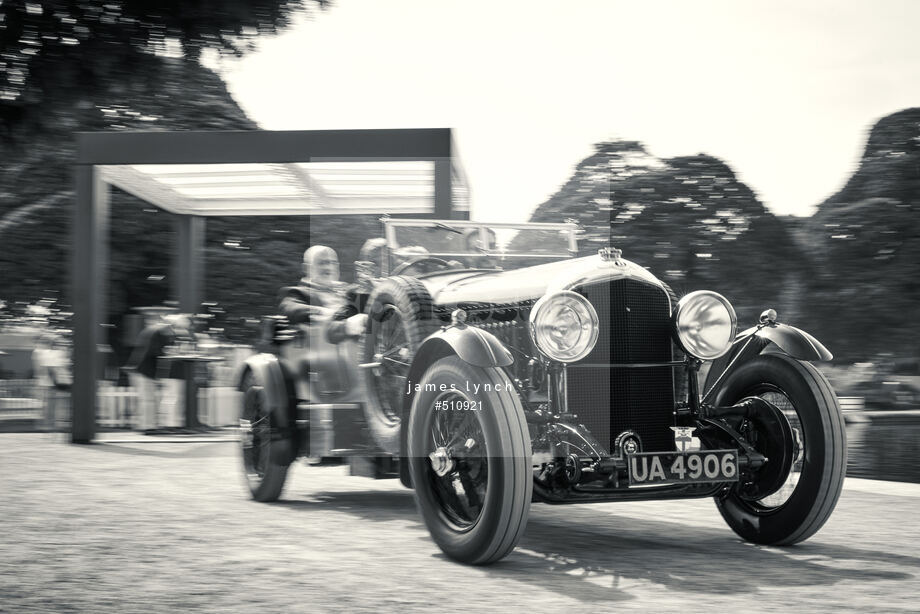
{"type": "Point", "coordinates": [783, 91]}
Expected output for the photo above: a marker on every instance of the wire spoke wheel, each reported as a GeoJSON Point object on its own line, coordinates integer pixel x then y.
{"type": "Point", "coordinates": [255, 435]}
{"type": "Point", "coordinates": [400, 317]}
{"type": "Point", "coordinates": [469, 458]}
{"type": "Point", "coordinates": [393, 351]}
{"type": "Point", "coordinates": [264, 476]}
{"type": "Point", "coordinates": [803, 436]}
{"type": "Point", "coordinates": [787, 482]}
{"type": "Point", "coordinates": [459, 467]}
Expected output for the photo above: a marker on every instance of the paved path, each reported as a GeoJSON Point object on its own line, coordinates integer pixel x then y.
{"type": "Point", "coordinates": [168, 527]}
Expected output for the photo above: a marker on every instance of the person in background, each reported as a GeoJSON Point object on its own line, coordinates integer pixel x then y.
{"type": "Point", "coordinates": [43, 384]}
{"type": "Point", "coordinates": [321, 297]}
{"type": "Point", "coordinates": [51, 367]}
{"type": "Point", "coordinates": [158, 388]}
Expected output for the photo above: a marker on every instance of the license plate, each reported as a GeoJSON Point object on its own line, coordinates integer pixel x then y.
{"type": "Point", "coordinates": [682, 467]}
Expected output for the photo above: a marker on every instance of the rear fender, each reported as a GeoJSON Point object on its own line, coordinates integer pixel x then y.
{"type": "Point", "coordinates": [278, 387]}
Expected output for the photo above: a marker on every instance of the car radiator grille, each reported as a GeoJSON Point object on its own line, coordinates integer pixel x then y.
{"type": "Point", "coordinates": [634, 327]}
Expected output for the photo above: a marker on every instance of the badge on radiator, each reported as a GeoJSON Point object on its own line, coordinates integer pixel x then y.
{"type": "Point", "coordinates": [627, 442]}
{"type": "Point", "coordinates": [684, 439]}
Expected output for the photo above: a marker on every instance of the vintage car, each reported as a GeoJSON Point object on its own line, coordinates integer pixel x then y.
{"type": "Point", "coordinates": [498, 369]}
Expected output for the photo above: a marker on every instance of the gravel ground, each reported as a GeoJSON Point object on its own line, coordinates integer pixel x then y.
{"type": "Point", "coordinates": [164, 527]}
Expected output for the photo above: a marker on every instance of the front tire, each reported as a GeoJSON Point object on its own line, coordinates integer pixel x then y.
{"type": "Point", "coordinates": [471, 469]}
{"type": "Point", "coordinates": [258, 439]}
{"type": "Point", "coordinates": [810, 491]}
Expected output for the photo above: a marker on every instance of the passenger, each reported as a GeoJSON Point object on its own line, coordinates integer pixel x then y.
{"type": "Point", "coordinates": [369, 265]}
{"type": "Point", "coordinates": [320, 296]}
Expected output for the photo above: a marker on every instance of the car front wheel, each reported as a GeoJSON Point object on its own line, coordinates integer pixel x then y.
{"type": "Point", "coordinates": [785, 509]}
{"type": "Point", "coordinates": [470, 460]}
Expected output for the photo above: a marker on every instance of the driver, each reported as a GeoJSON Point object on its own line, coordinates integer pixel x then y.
{"type": "Point", "coordinates": [472, 243]}
{"type": "Point", "coordinates": [405, 255]}
{"type": "Point", "coordinates": [320, 296]}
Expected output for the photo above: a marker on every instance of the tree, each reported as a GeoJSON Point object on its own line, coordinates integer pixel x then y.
{"type": "Point", "coordinates": [689, 219]}
{"type": "Point", "coordinates": [53, 51]}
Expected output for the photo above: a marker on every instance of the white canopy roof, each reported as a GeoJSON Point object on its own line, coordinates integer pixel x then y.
{"type": "Point", "coordinates": [310, 188]}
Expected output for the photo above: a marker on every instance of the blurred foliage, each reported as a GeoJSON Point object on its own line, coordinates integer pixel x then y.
{"type": "Point", "coordinates": [848, 274]}
{"type": "Point", "coordinates": [36, 186]}
{"type": "Point", "coordinates": [689, 220]}
{"type": "Point", "coordinates": [110, 65]}
{"type": "Point", "coordinates": [865, 242]}
{"type": "Point", "coordinates": [71, 50]}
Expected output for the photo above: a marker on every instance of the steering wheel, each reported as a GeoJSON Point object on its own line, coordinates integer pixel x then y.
{"type": "Point", "coordinates": [421, 260]}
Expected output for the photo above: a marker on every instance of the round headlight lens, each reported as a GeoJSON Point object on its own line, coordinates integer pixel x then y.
{"type": "Point", "coordinates": [706, 324]}
{"type": "Point", "coordinates": [564, 326]}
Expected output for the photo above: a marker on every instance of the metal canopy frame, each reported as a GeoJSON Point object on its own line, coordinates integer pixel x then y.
{"type": "Point", "coordinates": [298, 159]}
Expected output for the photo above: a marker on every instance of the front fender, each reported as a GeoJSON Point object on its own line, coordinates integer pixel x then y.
{"type": "Point", "coordinates": [472, 345]}
{"type": "Point", "coordinates": [757, 340]}
{"type": "Point", "coordinates": [791, 340]}
{"type": "Point", "coordinates": [269, 373]}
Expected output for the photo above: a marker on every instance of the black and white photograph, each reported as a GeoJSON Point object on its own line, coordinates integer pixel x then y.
{"type": "Point", "coordinates": [407, 305]}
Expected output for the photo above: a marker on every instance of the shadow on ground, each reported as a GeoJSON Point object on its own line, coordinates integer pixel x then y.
{"type": "Point", "coordinates": [170, 449]}
{"type": "Point", "coordinates": [597, 557]}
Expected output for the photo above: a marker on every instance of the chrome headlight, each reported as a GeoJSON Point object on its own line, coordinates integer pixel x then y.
{"type": "Point", "coordinates": [705, 324]}
{"type": "Point", "coordinates": [564, 326]}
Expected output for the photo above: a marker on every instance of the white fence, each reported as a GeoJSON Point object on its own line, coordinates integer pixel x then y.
{"type": "Point", "coordinates": [117, 406]}
{"type": "Point", "coordinates": [20, 400]}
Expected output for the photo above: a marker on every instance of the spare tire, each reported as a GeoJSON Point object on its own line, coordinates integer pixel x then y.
{"type": "Point", "coordinates": [400, 316]}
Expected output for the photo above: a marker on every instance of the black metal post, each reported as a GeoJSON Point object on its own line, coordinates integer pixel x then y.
{"type": "Point", "coordinates": [188, 284]}
{"type": "Point", "coordinates": [191, 394]}
{"type": "Point", "coordinates": [188, 266]}
{"type": "Point", "coordinates": [90, 249]}
{"type": "Point", "coordinates": [443, 193]}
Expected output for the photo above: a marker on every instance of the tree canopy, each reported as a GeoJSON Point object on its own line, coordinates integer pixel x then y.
{"type": "Point", "coordinates": [58, 50]}
{"type": "Point", "coordinates": [847, 274]}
